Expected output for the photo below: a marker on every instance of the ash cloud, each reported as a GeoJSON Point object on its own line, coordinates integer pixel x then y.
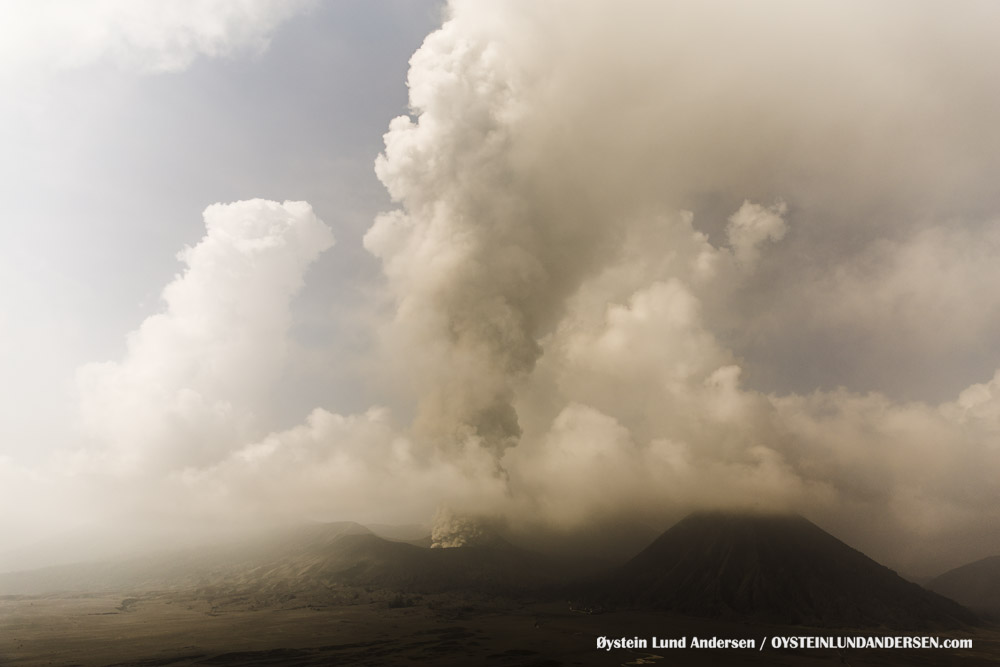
{"type": "Point", "coordinates": [482, 253]}
{"type": "Point", "coordinates": [559, 299]}
{"type": "Point", "coordinates": [640, 262]}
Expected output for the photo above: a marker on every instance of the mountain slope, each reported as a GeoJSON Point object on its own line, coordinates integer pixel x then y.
{"type": "Point", "coordinates": [976, 585]}
{"type": "Point", "coordinates": [781, 569]}
{"type": "Point", "coordinates": [304, 559]}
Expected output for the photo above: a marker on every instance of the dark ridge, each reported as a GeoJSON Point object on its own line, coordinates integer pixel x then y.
{"type": "Point", "coordinates": [371, 561]}
{"type": "Point", "coordinates": [975, 585]}
{"type": "Point", "coordinates": [777, 569]}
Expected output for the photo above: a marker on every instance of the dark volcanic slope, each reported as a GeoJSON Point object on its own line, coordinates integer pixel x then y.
{"type": "Point", "coordinates": [369, 560]}
{"type": "Point", "coordinates": [780, 569]}
{"type": "Point", "coordinates": [976, 585]}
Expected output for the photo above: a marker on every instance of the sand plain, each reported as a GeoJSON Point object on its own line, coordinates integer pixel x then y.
{"type": "Point", "coordinates": [167, 628]}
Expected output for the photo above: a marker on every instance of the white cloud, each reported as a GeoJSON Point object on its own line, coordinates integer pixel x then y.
{"type": "Point", "coordinates": [195, 375]}
{"type": "Point", "coordinates": [142, 35]}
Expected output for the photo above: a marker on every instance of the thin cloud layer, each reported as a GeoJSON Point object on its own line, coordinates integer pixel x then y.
{"type": "Point", "coordinates": [139, 35]}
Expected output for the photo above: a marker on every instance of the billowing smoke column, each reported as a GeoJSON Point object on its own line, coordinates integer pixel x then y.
{"type": "Point", "coordinates": [507, 208]}
{"type": "Point", "coordinates": [543, 181]}
{"type": "Point", "coordinates": [480, 258]}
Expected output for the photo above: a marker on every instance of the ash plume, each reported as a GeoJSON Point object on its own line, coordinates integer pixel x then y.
{"type": "Point", "coordinates": [482, 255]}
{"type": "Point", "coordinates": [596, 226]}
{"type": "Point", "coordinates": [643, 259]}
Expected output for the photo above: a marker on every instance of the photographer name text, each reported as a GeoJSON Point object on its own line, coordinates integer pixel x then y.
{"type": "Point", "coordinates": [782, 642]}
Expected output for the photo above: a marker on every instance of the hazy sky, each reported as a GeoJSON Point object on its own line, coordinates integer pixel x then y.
{"type": "Point", "coordinates": [607, 263]}
{"type": "Point", "coordinates": [108, 163]}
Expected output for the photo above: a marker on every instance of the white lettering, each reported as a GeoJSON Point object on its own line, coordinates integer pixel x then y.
{"type": "Point", "coordinates": [670, 643]}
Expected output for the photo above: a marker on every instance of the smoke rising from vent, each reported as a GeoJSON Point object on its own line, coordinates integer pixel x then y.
{"type": "Point", "coordinates": [553, 292]}
{"type": "Point", "coordinates": [478, 259]}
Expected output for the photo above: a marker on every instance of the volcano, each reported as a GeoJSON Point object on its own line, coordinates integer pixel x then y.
{"type": "Point", "coordinates": [777, 569]}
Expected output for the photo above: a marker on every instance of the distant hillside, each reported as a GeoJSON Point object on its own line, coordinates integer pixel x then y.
{"type": "Point", "coordinates": [174, 568]}
{"type": "Point", "coordinates": [976, 585]}
{"type": "Point", "coordinates": [310, 558]}
{"type": "Point", "coordinates": [780, 569]}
